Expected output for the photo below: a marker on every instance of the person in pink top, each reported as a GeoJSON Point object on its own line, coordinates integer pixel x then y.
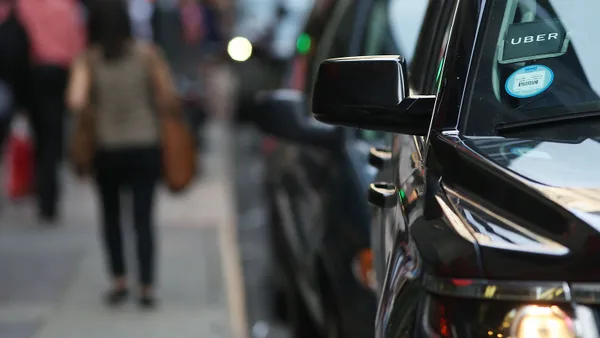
{"type": "Point", "coordinates": [56, 36]}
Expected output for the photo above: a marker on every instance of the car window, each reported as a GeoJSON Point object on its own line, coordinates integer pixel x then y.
{"type": "Point", "coordinates": [335, 40]}
{"type": "Point", "coordinates": [405, 18]}
{"type": "Point", "coordinates": [343, 34]}
{"type": "Point", "coordinates": [431, 46]}
{"type": "Point", "coordinates": [539, 59]}
{"type": "Point", "coordinates": [393, 28]}
{"type": "Point", "coordinates": [375, 35]}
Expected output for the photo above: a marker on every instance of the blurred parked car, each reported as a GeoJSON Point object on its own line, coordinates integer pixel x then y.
{"type": "Point", "coordinates": [317, 179]}
{"type": "Point", "coordinates": [263, 44]}
{"type": "Point", "coordinates": [494, 193]}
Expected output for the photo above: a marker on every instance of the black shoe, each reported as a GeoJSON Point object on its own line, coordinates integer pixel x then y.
{"type": "Point", "coordinates": [116, 297]}
{"type": "Point", "coordinates": [148, 303]}
{"type": "Point", "coordinates": [47, 218]}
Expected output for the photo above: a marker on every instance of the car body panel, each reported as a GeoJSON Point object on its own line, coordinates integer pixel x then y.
{"type": "Point", "coordinates": [319, 196]}
{"type": "Point", "coordinates": [518, 210]}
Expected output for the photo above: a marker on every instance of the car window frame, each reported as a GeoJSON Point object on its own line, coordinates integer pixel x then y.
{"type": "Point", "coordinates": [424, 68]}
{"type": "Point", "coordinates": [359, 19]}
{"type": "Point", "coordinates": [325, 43]}
{"type": "Point", "coordinates": [386, 41]}
{"type": "Point", "coordinates": [381, 25]}
{"type": "Point", "coordinates": [431, 40]}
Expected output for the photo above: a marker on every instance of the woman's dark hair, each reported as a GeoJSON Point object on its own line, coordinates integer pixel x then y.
{"type": "Point", "coordinates": [109, 26]}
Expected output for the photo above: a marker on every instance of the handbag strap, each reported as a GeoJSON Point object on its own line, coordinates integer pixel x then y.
{"type": "Point", "coordinates": [91, 61]}
{"type": "Point", "coordinates": [161, 86]}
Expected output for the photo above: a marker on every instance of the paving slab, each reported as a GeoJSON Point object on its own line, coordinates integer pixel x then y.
{"type": "Point", "coordinates": [52, 277]}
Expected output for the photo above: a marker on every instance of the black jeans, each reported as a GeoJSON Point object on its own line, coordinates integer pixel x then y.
{"type": "Point", "coordinates": [138, 170]}
{"type": "Point", "coordinates": [47, 111]}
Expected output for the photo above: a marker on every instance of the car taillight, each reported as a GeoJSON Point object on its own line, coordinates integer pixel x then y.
{"type": "Point", "coordinates": [362, 266]}
{"type": "Point", "coordinates": [477, 308]}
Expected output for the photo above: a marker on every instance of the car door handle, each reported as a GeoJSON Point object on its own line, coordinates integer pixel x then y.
{"type": "Point", "coordinates": [383, 194]}
{"type": "Point", "coordinates": [378, 157]}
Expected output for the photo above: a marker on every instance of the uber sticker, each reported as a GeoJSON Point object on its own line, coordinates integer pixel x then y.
{"type": "Point", "coordinates": [533, 40]}
{"type": "Point", "coordinates": [529, 81]}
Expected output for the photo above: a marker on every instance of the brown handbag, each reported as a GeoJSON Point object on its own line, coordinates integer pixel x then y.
{"type": "Point", "coordinates": [178, 152]}
{"type": "Point", "coordinates": [178, 146]}
{"type": "Point", "coordinates": [82, 145]}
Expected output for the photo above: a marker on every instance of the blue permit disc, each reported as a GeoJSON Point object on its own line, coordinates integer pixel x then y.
{"type": "Point", "coordinates": [529, 81]}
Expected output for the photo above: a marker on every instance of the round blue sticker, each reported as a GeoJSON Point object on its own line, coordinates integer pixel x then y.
{"type": "Point", "coordinates": [529, 81]}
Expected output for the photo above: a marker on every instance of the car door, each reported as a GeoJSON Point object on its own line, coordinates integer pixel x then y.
{"type": "Point", "coordinates": [394, 29]}
{"type": "Point", "coordinates": [310, 174]}
{"type": "Point", "coordinates": [408, 154]}
{"type": "Point", "coordinates": [357, 171]}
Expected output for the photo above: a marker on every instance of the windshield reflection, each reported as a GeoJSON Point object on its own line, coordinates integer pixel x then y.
{"type": "Point", "coordinates": [539, 60]}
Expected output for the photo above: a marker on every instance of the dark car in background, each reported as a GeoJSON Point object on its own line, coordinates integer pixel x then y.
{"type": "Point", "coordinates": [263, 45]}
{"type": "Point", "coordinates": [394, 28]}
{"type": "Point", "coordinates": [495, 190]}
{"type": "Point", "coordinates": [316, 181]}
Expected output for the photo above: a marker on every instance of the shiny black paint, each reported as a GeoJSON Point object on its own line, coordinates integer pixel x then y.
{"type": "Point", "coordinates": [321, 220]}
{"type": "Point", "coordinates": [473, 207]}
{"type": "Point", "coordinates": [421, 241]}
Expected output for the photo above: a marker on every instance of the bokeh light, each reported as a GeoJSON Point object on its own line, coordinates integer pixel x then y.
{"type": "Point", "coordinates": [239, 49]}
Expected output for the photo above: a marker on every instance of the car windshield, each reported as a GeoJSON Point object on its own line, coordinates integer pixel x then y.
{"type": "Point", "coordinates": [538, 59]}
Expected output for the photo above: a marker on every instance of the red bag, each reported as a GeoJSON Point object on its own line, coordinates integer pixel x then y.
{"type": "Point", "coordinates": [20, 162]}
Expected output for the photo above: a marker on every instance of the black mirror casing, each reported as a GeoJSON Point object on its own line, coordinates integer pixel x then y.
{"type": "Point", "coordinates": [284, 113]}
{"type": "Point", "coordinates": [370, 92]}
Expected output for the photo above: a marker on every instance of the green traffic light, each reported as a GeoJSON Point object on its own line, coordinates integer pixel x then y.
{"type": "Point", "coordinates": [303, 43]}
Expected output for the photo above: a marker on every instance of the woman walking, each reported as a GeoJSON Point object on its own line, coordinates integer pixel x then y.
{"type": "Point", "coordinates": [119, 80]}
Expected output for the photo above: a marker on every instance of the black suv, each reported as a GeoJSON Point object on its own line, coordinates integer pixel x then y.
{"type": "Point", "coordinates": [495, 193]}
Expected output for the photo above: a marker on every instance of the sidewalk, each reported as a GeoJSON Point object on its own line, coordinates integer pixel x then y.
{"type": "Point", "coordinates": [52, 279]}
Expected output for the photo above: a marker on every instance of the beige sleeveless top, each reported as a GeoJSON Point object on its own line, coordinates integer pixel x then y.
{"type": "Point", "coordinates": [123, 102]}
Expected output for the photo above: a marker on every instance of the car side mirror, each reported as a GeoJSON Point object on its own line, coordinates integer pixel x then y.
{"type": "Point", "coordinates": [284, 113]}
{"type": "Point", "coordinates": [370, 92]}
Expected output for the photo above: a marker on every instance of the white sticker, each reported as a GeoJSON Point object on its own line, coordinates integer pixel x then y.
{"type": "Point", "coordinates": [529, 81]}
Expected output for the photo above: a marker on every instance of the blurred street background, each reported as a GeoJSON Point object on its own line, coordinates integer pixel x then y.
{"type": "Point", "coordinates": [52, 278]}
{"type": "Point", "coordinates": [215, 274]}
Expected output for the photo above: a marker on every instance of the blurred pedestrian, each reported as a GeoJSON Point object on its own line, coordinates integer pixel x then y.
{"type": "Point", "coordinates": [141, 13]}
{"type": "Point", "coordinates": [14, 64]}
{"type": "Point", "coordinates": [122, 78]}
{"type": "Point", "coordinates": [192, 24]}
{"type": "Point", "coordinates": [56, 34]}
